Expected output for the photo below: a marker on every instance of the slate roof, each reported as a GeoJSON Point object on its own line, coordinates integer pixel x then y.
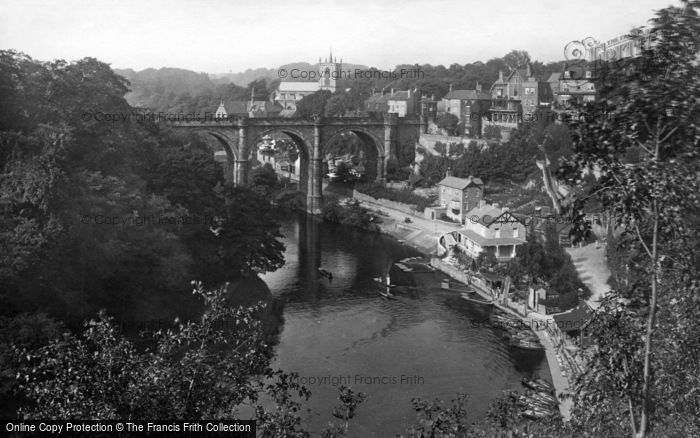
{"type": "Point", "coordinates": [574, 319]}
{"type": "Point", "coordinates": [467, 95]}
{"type": "Point", "coordinates": [460, 183]}
{"type": "Point", "coordinates": [398, 95]}
{"type": "Point", "coordinates": [486, 214]}
{"type": "Point", "coordinates": [485, 241]}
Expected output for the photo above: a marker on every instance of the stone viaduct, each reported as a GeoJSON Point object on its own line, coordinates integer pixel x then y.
{"type": "Point", "coordinates": [382, 136]}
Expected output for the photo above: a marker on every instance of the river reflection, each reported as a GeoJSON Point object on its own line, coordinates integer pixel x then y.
{"type": "Point", "coordinates": [427, 343]}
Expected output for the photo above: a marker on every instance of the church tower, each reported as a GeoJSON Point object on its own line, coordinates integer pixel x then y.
{"type": "Point", "coordinates": [329, 73]}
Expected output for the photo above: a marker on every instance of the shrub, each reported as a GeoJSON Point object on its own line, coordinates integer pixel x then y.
{"type": "Point", "coordinates": [378, 191]}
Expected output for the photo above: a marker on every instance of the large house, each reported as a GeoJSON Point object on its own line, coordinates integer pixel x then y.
{"type": "Point", "coordinates": [515, 98]}
{"type": "Point", "coordinates": [490, 229]}
{"type": "Point", "coordinates": [459, 195]}
{"type": "Point", "coordinates": [470, 107]}
{"type": "Point", "coordinates": [290, 92]}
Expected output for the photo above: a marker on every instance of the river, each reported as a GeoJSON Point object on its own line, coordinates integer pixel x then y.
{"type": "Point", "coordinates": [427, 343]}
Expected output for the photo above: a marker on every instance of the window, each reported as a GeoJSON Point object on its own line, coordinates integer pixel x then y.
{"type": "Point", "coordinates": [497, 232]}
{"type": "Point", "coordinates": [516, 234]}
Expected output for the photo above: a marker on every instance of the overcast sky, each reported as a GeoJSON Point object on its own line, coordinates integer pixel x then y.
{"type": "Point", "coordinates": [223, 36]}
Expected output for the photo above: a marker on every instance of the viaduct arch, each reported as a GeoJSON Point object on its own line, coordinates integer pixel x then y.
{"type": "Point", "coordinates": [238, 137]}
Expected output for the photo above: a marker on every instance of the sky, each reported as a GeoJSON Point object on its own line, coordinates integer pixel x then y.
{"type": "Point", "coordinates": [230, 36]}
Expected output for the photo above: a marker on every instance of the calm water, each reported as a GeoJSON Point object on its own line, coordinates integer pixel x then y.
{"type": "Point", "coordinates": [427, 343]}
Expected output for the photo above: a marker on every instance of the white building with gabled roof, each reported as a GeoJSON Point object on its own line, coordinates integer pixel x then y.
{"type": "Point", "coordinates": [490, 229]}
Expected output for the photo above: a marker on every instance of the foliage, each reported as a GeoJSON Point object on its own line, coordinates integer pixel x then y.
{"type": "Point", "coordinates": [492, 132]}
{"type": "Point", "coordinates": [23, 331]}
{"type": "Point", "coordinates": [349, 401]}
{"type": "Point", "coordinates": [548, 263]}
{"type": "Point", "coordinates": [263, 180]}
{"type": "Point", "coordinates": [440, 148]}
{"type": "Point", "coordinates": [457, 149]}
{"type": "Point", "coordinates": [650, 103]}
{"type": "Point", "coordinates": [448, 122]}
{"type": "Point", "coordinates": [378, 191]}
{"type": "Point", "coordinates": [351, 214]}
{"type": "Point", "coordinates": [516, 59]}
{"type": "Point", "coordinates": [207, 366]}
{"type": "Point", "coordinates": [486, 261]}
{"type": "Point", "coordinates": [313, 104]}
{"type": "Point", "coordinates": [434, 419]}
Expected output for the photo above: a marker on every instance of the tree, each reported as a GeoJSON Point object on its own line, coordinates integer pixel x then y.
{"type": "Point", "coordinates": [313, 104]}
{"type": "Point", "coordinates": [448, 122]}
{"type": "Point", "coordinates": [492, 132]}
{"type": "Point", "coordinates": [440, 148]}
{"type": "Point", "coordinates": [337, 105]}
{"type": "Point", "coordinates": [516, 59]}
{"type": "Point", "coordinates": [199, 370]}
{"type": "Point", "coordinates": [651, 102]}
{"type": "Point", "coordinates": [264, 180]}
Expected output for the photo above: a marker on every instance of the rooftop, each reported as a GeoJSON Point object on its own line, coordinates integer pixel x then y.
{"type": "Point", "coordinates": [574, 319]}
{"type": "Point", "coordinates": [460, 183]}
{"type": "Point", "coordinates": [485, 241]}
{"type": "Point", "coordinates": [468, 95]}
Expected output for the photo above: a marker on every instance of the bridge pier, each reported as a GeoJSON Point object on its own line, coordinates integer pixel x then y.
{"type": "Point", "coordinates": [390, 122]}
{"type": "Point", "coordinates": [241, 172]}
{"type": "Point", "coordinates": [314, 197]}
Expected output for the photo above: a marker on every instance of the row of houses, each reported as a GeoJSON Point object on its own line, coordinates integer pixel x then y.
{"type": "Point", "coordinates": [512, 99]}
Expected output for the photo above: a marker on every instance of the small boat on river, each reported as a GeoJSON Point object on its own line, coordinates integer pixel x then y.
{"type": "Point", "coordinates": [473, 299]}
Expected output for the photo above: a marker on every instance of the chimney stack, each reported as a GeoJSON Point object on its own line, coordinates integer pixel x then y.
{"type": "Point", "coordinates": [500, 75]}
{"type": "Point", "coordinates": [448, 172]}
{"type": "Point", "coordinates": [529, 71]}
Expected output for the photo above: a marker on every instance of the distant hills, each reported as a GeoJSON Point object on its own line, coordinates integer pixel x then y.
{"type": "Point", "coordinates": [176, 89]}
{"type": "Point", "coordinates": [244, 78]}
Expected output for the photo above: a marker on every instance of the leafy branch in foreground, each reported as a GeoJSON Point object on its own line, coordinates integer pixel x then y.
{"type": "Point", "coordinates": [643, 145]}
{"type": "Point", "coordinates": [216, 368]}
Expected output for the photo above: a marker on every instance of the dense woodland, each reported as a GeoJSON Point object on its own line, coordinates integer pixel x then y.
{"type": "Point", "coordinates": [59, 171]}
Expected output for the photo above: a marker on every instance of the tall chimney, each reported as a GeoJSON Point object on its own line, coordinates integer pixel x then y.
{"type": "Point", "coordinates": [500, 75]}
{"type": "Point", "coordinates": [529, 70]}
{"type": "Point", "coordinates": [448, 172]}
